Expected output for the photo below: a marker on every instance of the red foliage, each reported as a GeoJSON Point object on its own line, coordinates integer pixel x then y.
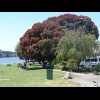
{"type": "Point", "coordinates": [42, 36]}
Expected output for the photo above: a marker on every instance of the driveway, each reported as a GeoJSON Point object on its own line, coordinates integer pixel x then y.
{"type": "Point", "coordinates": [86, 80]}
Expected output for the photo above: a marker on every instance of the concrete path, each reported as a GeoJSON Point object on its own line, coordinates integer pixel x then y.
{"type": "Point", "coordinates": [86, 80]}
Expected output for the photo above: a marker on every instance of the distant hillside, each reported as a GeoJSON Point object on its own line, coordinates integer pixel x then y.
{"type": "Point", "coordinates": [7, 54]}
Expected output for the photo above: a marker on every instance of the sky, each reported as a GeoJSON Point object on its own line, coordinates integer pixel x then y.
{"type": "Point", "coordinates": [14, 24]}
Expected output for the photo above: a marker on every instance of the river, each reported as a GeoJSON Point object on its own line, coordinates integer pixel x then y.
{"type": "Point", "coordinates": [10, 60]}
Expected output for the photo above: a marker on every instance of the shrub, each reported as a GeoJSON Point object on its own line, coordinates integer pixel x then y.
{"type": "Point", "coordinates": [73, 68]}
{"type": "Point", "coordinates": [86, 69]}
{"type": "Point", "coordinates": [58, 66]}
{"type": "Point", "coordinates": [97, 68]}
{"type": "Point", "coordinates": [52, 63]}
{"type": "Point", "coordinates": [65, 68]}
{"type": "Point", "coordinates": [89, 69]}
{"type": "Point", "coordinates": [61, 67]}
{"type": "Point", "coordinates": [55, 66]}
{"type": "Point", "coordinates": [19, 65]}
{"type": "Point", "coordinates": [64, 63]}
{"type": "Point", "coordinates": [70, 62]}
{"type": "Point", "coordinates": [98, 73]}
{"type": "Point", "coordinates": [82, 69]}
{"type": "Point", "coordinates": [22, 66]}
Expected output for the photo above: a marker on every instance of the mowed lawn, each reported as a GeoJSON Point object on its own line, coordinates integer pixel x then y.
{"type": "Point", "coordinates": [12, 76]}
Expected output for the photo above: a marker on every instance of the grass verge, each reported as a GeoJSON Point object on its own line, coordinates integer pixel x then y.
{"type": "Point", "coordinates": [13, 76]}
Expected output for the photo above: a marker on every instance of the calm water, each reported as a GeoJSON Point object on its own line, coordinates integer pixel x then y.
{"type": "Point", "coordinates": [10, 60]}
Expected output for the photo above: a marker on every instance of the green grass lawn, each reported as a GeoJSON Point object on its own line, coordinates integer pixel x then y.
{"type": "Point", "coordinates": [12, 76]}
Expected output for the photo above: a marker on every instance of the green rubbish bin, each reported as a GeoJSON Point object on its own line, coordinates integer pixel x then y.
{"type": "Point", "coordinates": [49, 74]}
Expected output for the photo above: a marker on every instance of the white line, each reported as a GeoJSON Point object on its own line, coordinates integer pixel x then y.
{"type": "Point", "coordinates": [4, 79]}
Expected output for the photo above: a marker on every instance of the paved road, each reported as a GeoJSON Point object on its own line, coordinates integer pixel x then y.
{"type": "Point", "coordinates": [86, 80]}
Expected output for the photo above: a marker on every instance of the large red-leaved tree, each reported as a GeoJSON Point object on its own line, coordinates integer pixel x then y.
{"type": "Point", "coordinates": [40, 42]}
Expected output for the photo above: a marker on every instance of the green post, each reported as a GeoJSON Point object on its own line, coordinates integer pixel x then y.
{"type": "Point", "coordinates": [49, 74]}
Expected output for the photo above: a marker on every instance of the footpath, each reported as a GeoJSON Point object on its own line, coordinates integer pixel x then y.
{"type": "Point", "coordinates": [85, 80]}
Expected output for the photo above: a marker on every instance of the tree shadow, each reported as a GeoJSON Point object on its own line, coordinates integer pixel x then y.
{"type": "Point", "coordinates": [36, 68]}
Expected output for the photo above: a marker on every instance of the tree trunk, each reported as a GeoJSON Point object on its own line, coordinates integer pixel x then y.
{"type": "Point", "coordinates": [43, 64]}
{"type": "Point", "coordinates": [39, 62]}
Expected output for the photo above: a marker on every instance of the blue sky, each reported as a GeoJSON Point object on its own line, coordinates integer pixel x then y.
{"type": "Point", "coordinates": [14, 24]}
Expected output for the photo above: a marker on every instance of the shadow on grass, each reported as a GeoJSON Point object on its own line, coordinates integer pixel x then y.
{"type": "Point", "coordinates": [36, 68]}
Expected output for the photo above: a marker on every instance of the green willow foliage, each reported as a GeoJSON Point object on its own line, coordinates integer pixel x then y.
{"type": "Point", "coordinates": [77, 46]}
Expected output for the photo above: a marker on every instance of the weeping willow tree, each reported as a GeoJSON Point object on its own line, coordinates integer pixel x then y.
{"type": "Point", "coordinates": [76, 46]}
